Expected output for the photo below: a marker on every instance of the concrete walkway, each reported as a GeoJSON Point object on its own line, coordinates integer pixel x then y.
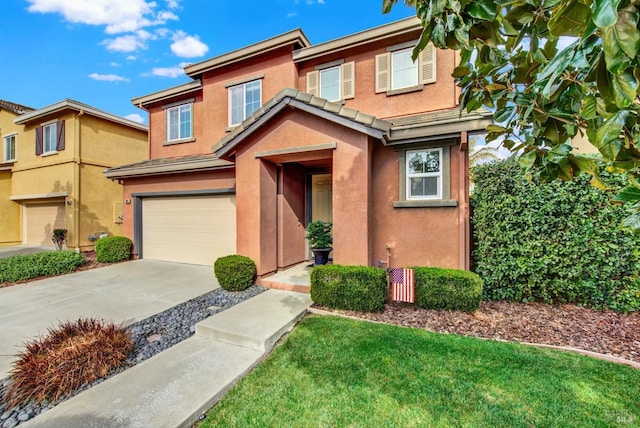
{"type": "Point", "coordinates": [174, 387]}
{"type": "Point", "coordinates": [122, 293]}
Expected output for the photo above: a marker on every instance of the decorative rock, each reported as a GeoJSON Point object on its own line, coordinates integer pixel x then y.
{"type": "Point", "coordinates": [154, 338]}
{"type": "Point", "coordinates": [23, 416]}
{"type": "Point", "coordinates": [6, 415]}
{"type": "Point", "coordinates": [10, 423]}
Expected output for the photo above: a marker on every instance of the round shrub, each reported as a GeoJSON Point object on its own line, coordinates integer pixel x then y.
{"type": "Point", "coordinates": [113, 249]}
{"type": "Point", "coordinates": [234, 272]}
{"type": "Point", "coordinates": [357, 288]}
{"type": "Point", "coordinates": [69, 356]}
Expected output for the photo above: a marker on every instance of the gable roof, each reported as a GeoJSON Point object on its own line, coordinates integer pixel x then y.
{"type": "Point", "coordinates": [186, 88]}
{"type": "Point", "coordinates": [14, 107]}
{"type": "Point", "coordinates": [293, 98]}
{"type": "Point", "coordinates": [295, 37]}
{"type": "Point", "coordinates": [68, 104]}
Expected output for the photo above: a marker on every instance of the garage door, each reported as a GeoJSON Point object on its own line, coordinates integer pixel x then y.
{"type": "Point", "coordinates": [41, 219]}
{"type": "Point", "coordinates": [189, 229]}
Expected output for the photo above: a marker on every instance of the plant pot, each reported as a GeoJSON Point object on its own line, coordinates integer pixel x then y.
{"type": "Point", "coordinates": [320, 256]}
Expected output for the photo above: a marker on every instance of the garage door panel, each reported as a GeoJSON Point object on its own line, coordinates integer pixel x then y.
{"type": "Point", "coordinates": [41, 220]}
{"type": "Point", "coordinates": [194, 229]}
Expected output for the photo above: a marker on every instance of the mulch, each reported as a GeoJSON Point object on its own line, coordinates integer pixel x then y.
{"type": "Point", "coordinates": [605, 332]}
{"type": "Point", "coordinates": [90, 263]}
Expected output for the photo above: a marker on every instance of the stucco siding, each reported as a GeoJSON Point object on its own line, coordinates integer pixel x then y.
{"type": "Point", "coordinates": [10, 232]}
{"type": "Point", "coordinates": [109, 144]}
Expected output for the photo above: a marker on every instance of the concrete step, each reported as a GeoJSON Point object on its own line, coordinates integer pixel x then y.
{"type": "Point", "coordinates": [286, 286]}
{"type": "Point", "coordinates": [259, 322]}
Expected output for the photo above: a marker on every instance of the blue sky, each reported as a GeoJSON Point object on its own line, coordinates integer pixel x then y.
{"type": "Point", "coordinates": [106, 52]}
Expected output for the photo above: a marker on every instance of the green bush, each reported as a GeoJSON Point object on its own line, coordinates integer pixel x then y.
{"type": "Point", "coordinates": [358, 288]}
{"type": "Point", "coordinates": [555, 242]}
{"type": "Point", "coordinates": [113, 249]}
{"type": "Point", "coordinates": [447, 289]}
{"type": "Point", "coordinates": [235, 273]}
{"type": "Point", "coordinates": [46, 263]}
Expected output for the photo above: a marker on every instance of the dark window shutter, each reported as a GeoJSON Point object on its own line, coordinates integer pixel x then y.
{"type": "Point", "coordinates": [60, 141]}
{"type": "Point", "coordinates": [39, 133]}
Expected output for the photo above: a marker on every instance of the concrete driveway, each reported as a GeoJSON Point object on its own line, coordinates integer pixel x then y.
{"type": "Point", "coordinates": [125, 292]}
{"type": "Point", "coordinates": [22, 249]}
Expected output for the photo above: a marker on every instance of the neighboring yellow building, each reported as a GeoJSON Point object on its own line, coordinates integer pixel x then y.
{"type": "Point", "coordinates": [10, 135]}
{"type": "Point", "coordinates": [55, 179]}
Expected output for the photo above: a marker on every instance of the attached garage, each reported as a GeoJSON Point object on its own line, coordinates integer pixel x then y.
{"type": "Point", "coordinates": [40, 221]}
{"type": "Point", "coordinates": [189, 229]}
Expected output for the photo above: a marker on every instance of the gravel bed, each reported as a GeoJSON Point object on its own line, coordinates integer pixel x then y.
{"type": "Point", "coordinates": [151, 336]}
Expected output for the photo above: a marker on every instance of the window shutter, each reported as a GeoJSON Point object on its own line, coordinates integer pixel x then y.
{"type": "Point", "coordinates": [60, 140]}
{"type": "Point", "coordinates": [427, 64]}
{"type": "Point", "coordinates": [312, 83]}
{"type": "Point", "coordinates": [39, 139]}
{"type": "Point", "coordinates": [348, 80]}
{"type": "Point", "coordinates": [383, 72]}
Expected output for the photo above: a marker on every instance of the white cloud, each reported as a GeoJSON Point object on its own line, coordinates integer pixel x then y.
{"type": "Point", "coordinates": [114, 64]}
{"type": "Point", "coordinates": [186, 46]}
{"type": "Point", "coordinates": [108, 77]}
{"type": "Point", "coordinates": [291, 14]}
{"type": "Point", "coordinates": [131, 58]}
{"type": "Point", "coordinates": [173, 4]}
{"type": "Point", "coordinates": [163, 32]}
{"type": "Point", "coordinates": [135, 117]}
{"type": "Point", "coordinates": [172, 72]}
{"type": "Point", "coordinates": [127, 43]}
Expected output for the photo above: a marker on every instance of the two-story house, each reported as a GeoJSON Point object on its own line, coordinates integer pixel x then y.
{"type": "Point", "coordinates": [51, 174]}
{"type": "Point", "coordinates": [267, 138]}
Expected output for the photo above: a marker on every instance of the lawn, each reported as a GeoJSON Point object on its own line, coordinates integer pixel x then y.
{"type": "Point", "coordinates": [332, 372]}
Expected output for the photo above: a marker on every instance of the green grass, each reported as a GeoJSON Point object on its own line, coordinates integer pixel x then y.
{"type": "Point", "coordinates": [332, 372]}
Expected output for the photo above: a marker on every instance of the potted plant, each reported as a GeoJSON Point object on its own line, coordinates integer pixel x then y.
{"type": "Point", "coordinates": [321, 240]}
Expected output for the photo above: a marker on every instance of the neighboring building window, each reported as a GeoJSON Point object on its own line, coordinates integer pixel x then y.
{"type": "Point", "coordinates": [332, 82]}
{"type": "Point", "coordinates": [10, 148]}
{"type": "Point", "coordinates": [404, 71]}
{"type": "Point", "coordinates": [50, 133]}
{"type": "Point", "coordinates": [50, 138]}
{"type": "Point", "coordinates": [396, 70]}
{"type": "Point", "coordinates": [179, 122]}
{"type": "Point", "coordinates": [424, 174]}
{"type": "Point", "coordinates": [244, 99]}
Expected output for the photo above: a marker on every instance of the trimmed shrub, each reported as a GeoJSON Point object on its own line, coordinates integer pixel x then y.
{"type": "Point", "coordinates": [69, 356]}
{"type": "Point", "coordinates": [234, 272]}
{"type": "Point", "coordinates": [357, 288]}
{"type": "Point", "coordinates": [113, 249]}
{"type": "Point", "coordinates": [46, 263]}
{"type": "Point", "coordinates": [447, 289]}
{"type": "Point", "coordinates": [559, 241]}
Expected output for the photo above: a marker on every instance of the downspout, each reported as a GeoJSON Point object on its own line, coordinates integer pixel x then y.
{"type": "Point", "coordinates": [463, 210]}
{"type": "Point", "coordinates": [77, 175]}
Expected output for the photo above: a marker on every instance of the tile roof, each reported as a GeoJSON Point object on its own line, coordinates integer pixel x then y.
{"type": "Point", "coordinates": [315, 105]}
{"type": "Point", "coordinates": [16, 108]}
{"type": "Point", "coordinates": [168, 165]}
{"type": "Point", "coordinates": [440, 116]}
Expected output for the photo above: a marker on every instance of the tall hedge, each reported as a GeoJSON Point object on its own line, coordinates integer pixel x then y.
{"type": "Point", "coordinates": [555, 242]}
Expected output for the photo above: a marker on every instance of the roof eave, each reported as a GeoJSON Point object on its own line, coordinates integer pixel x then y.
{"type": "Point", "coordinates": [134, 171]}
{"type": "Point", "coordinates": [406, 134]}
{"type": "Point", "coordinates": [165, 94]}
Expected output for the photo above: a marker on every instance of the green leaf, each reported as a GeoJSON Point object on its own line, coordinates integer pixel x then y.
{"type": "Point", "coordinates": [482, 9]}
{"type": "Point", "coordinates": [606, 13]}
{"type": "Point", "coordinates": [627, 30]}
{"type": "Point", "coordinates": [528, 159]}
{"type": "Point", "coordinates": [585, 164]}
{"type": "Point", "coordinates": [628, 194]}
{"type": "Point", "coordinates": [504, 114]}
{"type": "Point", "coordinates": [569, 20]}
{"type": "Point", "coordinates": [608, 136]}
{"type": "Point", "coordinates": [623, 88]}
{"type": "Point", "coordinates": [632, 223]}
{"type": "Point", "coordinates": [588, 109]}
{"type": "Point", "coordinates": [496, 128]}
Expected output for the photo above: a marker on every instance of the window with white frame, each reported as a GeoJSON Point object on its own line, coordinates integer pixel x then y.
{"type": "Point", "coordinates": [179, 122]}
{"type": "Point", "coordinates": [244, 99]}
{"type": "Point", "coordinates": [50, 136]}
{"type": "Point", "coordinates": [9, 148]}
{"type": "Point", "coordinates": [330, 84]}
{"type": "Point", "coordinates": [404, 71]}
{"type": "Point", "coordinates": [424, 174]}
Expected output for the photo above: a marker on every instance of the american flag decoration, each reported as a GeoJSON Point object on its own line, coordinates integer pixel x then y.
{"type": "Point", "coordinates": [402, 285]}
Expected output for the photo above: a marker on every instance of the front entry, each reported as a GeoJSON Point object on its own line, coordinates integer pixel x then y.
{"type": "Point", "coordinates": [321, 201]}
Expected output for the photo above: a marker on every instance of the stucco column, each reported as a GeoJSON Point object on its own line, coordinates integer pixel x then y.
{"type": "Point", "coordinates": [351, 196]}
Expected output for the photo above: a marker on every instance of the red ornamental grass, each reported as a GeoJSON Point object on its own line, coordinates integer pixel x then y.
{"type": "Point", "coordinates": [69, 356]}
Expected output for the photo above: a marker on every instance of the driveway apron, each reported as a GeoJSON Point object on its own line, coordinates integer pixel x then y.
{"type": "Point", "coordinates": [122, 293]}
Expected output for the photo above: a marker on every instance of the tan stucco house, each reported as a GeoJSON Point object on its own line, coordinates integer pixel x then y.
{"type": "Point", "coordinates": [51, 172]}
{"type": "Point", "coordinates": [269, 137]}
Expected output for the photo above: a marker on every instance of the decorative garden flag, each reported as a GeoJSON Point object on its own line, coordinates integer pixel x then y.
{"type": "Point", "coordinates": [402, 285]}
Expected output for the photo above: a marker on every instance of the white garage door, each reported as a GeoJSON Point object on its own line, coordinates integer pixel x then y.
{"type": "Point", "coordinates": [41, 219]}
{"type": "Point", "coordinates": [189, 229]}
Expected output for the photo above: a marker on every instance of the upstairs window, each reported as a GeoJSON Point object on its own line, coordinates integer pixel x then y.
{"type": "Point", "coordinates": [396, 70]}
{"type": "Point", "coordinates": [424, 174]}
{"type": "Point", "coordinates": [332, 82]}
{"type": "Point", "coordinates": [9, 148]}
{"type": "Point", "coordinates": [50, 138]}
{"type": "Point", "coordinates": [179, 123]}
{"type": "Point", "coordinates": [244, 99]}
